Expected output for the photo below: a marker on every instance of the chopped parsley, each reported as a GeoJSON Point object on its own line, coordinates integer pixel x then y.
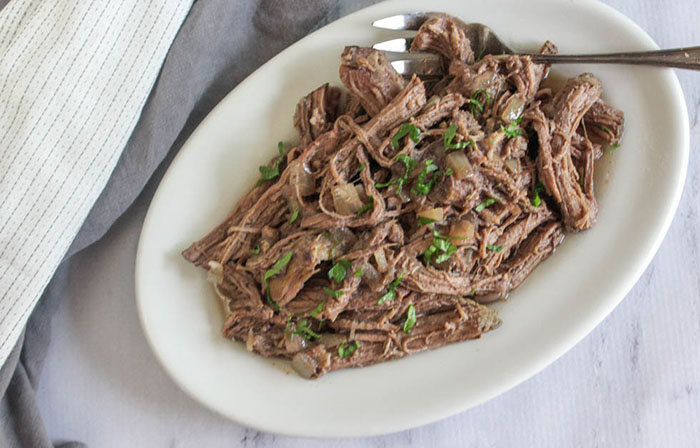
{"type": "Point", "coordinates": [316, 311]}
{"type": "Point", "coordinates": [449, 135]}
{"type": "Point", "coordinates": [605, 129]}
{"type": "Point", "coordinates": [410, 319]}
{"type": "Point", "coordinates": [268, 173]}
{"type": "Point", "coordinates": [278, 266]}
{"type": "Point", "coordinates": [513, 129]}
{"type": "Point", "coordinates": [537, 200]}
{"type": "Point", "coordinates": [487, 203]}
{"type": "Point", "coordinates": [391, 293]}
{"type": "Point", "coordinates": [256, 249]}
{"type": "Point", "coordinates": [358, 272]}
{"type": "Point", "coordinates": [441, 249]}
{"type": "Point", "coordinates": [362, 167]}
{"type": "Point", "coordinates": [303, 330]}
{"type": "Point", "coordinates": [406, 129]}
{"type": "Point", "coordinates": [339, 270]}
{"type": "Point", "coordinates": [295, 215]}
{"type": "Point", "coordinates": [274, 270]}
{"type": "Point", "coordinates": [613, 147]}
{"type": "Point", "coordinates": [449, 172]}
{"type": "Point", "coordinates": [367, 207]}
{"type": "Point", "coordinates": [473, 291]}
{"type": "Point", "coordinates": [333, 293]}
{"type": "Point", "coordinates": [423, 184]}
{"type": "Point", "coordinates": [476, 104]}
{"type": "Point", "coordinates": [494, 248]}
{"type": "Point", "coordinates": [423, 221]}
{"type": "Point", "coordinates": [345, 351]}
{"type": "Point", "coordinates": [410, 164]}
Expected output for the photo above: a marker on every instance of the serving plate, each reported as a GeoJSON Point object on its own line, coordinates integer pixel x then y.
{"type": "Point", "coordinates": [638, 188]}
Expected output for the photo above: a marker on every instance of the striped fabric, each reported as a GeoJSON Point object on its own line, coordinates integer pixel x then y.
{"type": "Point", "coordinates": [74, 75]}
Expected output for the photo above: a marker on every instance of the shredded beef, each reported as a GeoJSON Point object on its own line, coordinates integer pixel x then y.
{"type": "Point", "coordinates": [368, 246]}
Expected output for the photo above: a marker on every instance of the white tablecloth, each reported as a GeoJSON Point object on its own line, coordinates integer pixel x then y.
{"type": "Point", "coordinates": [634, 381]}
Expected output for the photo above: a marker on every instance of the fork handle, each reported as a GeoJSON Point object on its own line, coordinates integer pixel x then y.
{"type": "Point", "coordinates": [688, 58]}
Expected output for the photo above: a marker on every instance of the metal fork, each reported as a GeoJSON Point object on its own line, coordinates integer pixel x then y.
{"type": "Point", "coordinates": [484, 41]}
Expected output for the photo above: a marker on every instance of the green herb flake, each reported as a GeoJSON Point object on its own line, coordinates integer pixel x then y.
{"type": "Point", "coordinates": [449, 135]}
{"type": "Point", "coordinates": [473, 291]}
{"type": "Point", "coordinates": [346, 350]}
{"type": "Point", "coordinates": [539, 188]}
{"type": "Point", "coordinates": [478, 105]}
{"type": "Point", "coordinates": [449, 172]}
{"type": "Point", "coordinates": [494, 248]}
{"type": "Point", "coordinates": [278, 266]}
{"type": "Point", "coordinates": [303, 330]}
{"type": "Point", "coordinates": [339, 271]}
{"type": "Point", "coordinates": [513, 129]}
{"type": "Point", "coordinates": [269, 173]}
{"type": "Point", "coordinates": [423, 183]}
{"type": "Point", "coordinates": [613, 147]}
{"type": "Point", "coordinates": [362, 167]}
{"type": "Point", "coordinates": [487, 203]}
{"type": "Point", "coordinates": [319, 308]}
{"type": "Point", "coordinates": [391, 292]}
{"type": "Point", "coordinates": [358, 272]}
{"type": "Point", "coordinates": [441, 249]}
{"type": "Point", "coordinates": [410, 319]}
{"type": "Point", "coordinates": [272, 303]}
{"type": "Point", "coordinates": [422, 221]}
{"type": "Point", "coordinates": [367, 207]}
{"type": "Point", "coordinates": [410, 164]}
{"type": "Point", "coordinates": [294, 216]}
{"type": "Point", "coordinates": [605, 129]}
{"type": "Point", "coordinates": [406, 129]}
{"type": "Point", "coordinates": [255, 250]}
{"type": "Point", "coordinates": [333, 293]}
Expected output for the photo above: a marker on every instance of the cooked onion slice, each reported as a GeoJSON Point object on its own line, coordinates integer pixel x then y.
{"type": "Point", "coordinates": [462, 232]}
{"type": "Point", "coordinates": [459, 163]}
{"type": "Point", "coordinates": [435, 214]}
{"type": "Point", "coordinates": [346, 199]}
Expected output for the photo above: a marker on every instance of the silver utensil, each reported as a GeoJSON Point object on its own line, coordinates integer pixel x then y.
{"type": "Point", "coordinates": [484, 41]}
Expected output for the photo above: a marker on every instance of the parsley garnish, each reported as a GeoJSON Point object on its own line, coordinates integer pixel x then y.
{"type": "Point", "coordinates": [333, 293]}
{"type": "Point", "coordinates": [406, 129]}
{"type": "Point", "coordinates": [605, 129]}
{"type": "Point", "coordinates": [449, 135]}
{"type": "Point", "coordinates": [494, 248]}
{"type": "Point", "coordinates": [256, 249]}
{"type": "Point", "coordinates": [422, 221]}
{"type": "Point", "coordinates": [339, 270]}
{"type": "Point", "coordinates": [278, 266]}
{"type": "Point", "coordinates": [345, 352]}
{"type": "Point", "coordinates": [316, 311]}
{"type": "Point", "coordinates": [268, 173]}
{"type": "Point", "coordinates": [410, 319]}
{"type": "Point", "coordinates": [613, 147]}
{"type": "Point", "coordinates": [303, 330]}
{"type": "Point", "coordinates": [295, 215]}
{"type": "Point", "coordinates": [441, 248]}
{"type": "Point", "coordinates": [362, 167]}
{"type": "Point", "coordinates": [358, 272]}
{"type": "Point", "coordinates": [449, 172]}
{"type": "Point", "coordinates": [537, 200]}
{"type": "Point", "coordinates": [367, 207]}
{"type": "Point", "coordinates": [487, 203]}
{"type": "Point", "coordinates": [513, 130]}
{"type": "Point", "coordinates": [423, 184]}
{"type": "Point", "coordinates": [391, 293]}
{"type": "Point", "coordinates": [410, 164]}
{"type": "Point", "coordinates": [473, 291]}
{"type": "Point", "coordinates": [272, 303]}
{"type": "Point", "coordinates": [476, 104]}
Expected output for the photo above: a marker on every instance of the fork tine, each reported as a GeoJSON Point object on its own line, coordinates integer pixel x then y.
{"type": "Point", "coordinates": [397, 45]}
{"type": "Point", "coordinates": [421, 67]}
{"type": "Point", "coordinates": [401, 22]}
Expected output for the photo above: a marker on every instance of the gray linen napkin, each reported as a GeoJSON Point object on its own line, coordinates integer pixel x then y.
{"type": "Point", "coordinates": [220, 43]}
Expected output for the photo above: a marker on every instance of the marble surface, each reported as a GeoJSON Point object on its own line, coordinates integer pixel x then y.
{"type": "Point", "coordinates": [634, 381]}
